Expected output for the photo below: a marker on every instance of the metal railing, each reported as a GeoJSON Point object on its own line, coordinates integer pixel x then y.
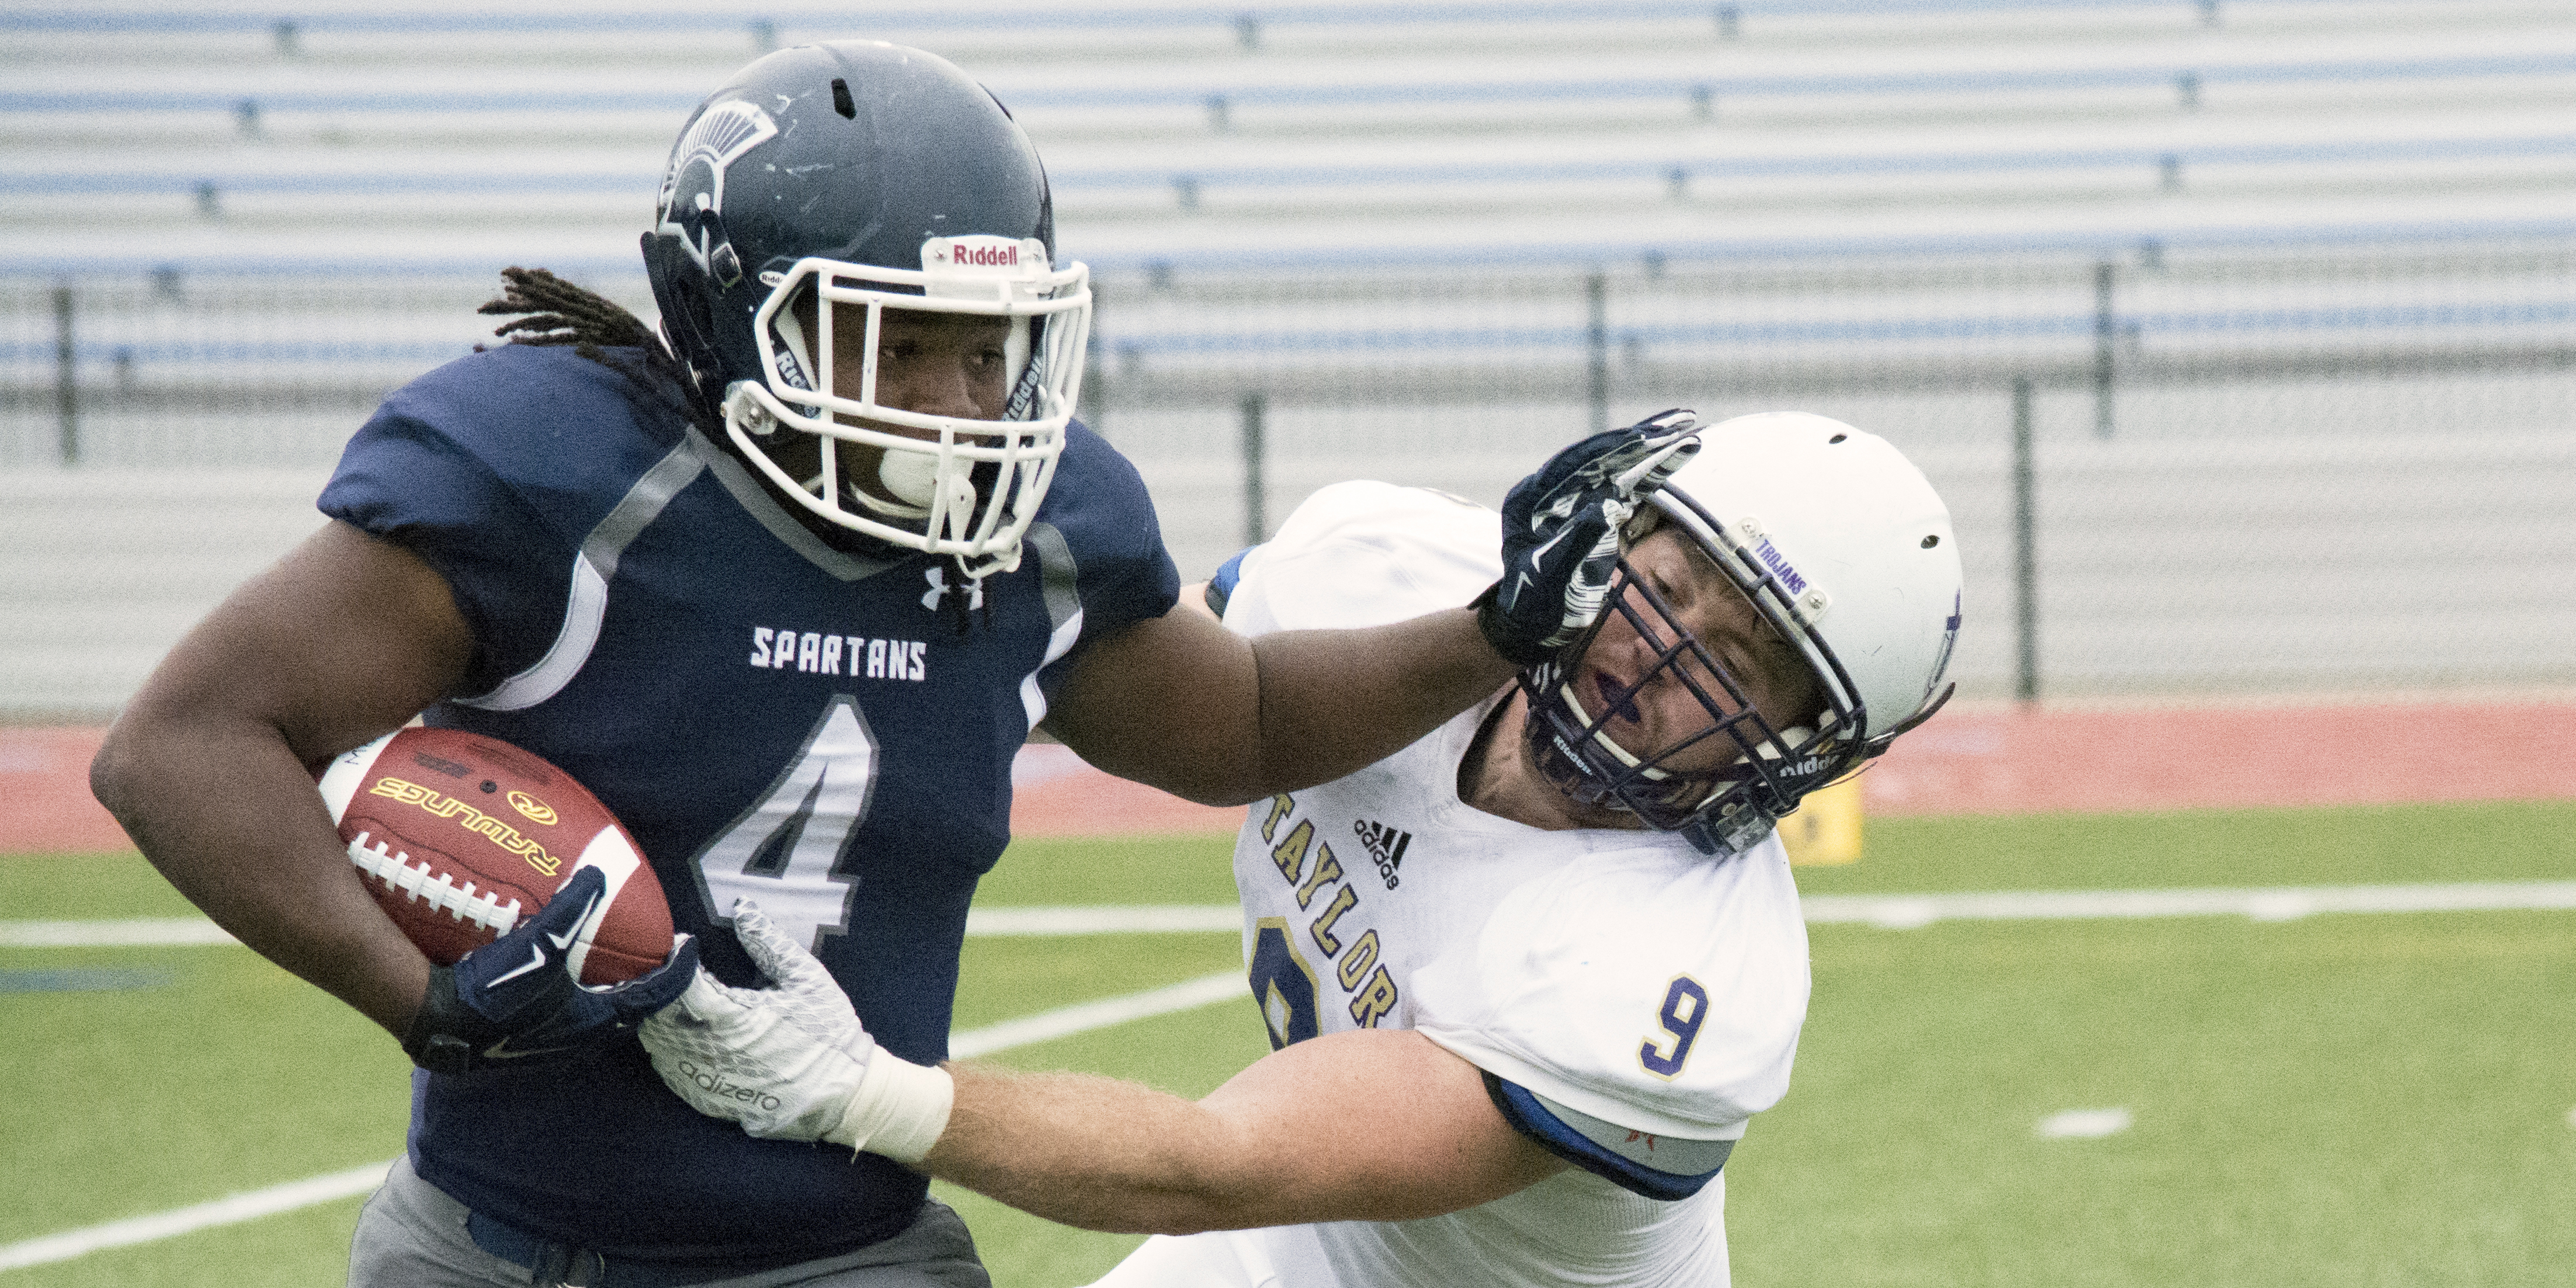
{"type": "Point", "coordinates": [2172, 470]}
{"type": "Point", "coordinates": [1244, 23]}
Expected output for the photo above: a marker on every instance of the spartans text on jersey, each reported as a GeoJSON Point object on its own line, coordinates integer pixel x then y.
{"type": "Point", "coordinates": [830, 653]}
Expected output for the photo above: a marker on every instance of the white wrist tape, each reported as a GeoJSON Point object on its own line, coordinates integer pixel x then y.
{"type": "Point", "coordinates": [899, 1110]}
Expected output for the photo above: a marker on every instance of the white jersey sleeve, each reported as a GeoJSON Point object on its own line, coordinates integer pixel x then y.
{"type": "Point", "coordinates": [1645, 1001]}
{"type": "Point", "coordinates": [1365, 554]}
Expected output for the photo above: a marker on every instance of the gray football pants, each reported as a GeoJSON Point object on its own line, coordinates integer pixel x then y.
{"type": "Point", "coordinates": [412, 1235]}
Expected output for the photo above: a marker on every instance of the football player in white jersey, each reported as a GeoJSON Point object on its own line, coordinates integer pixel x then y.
{"type": "Point", "coordinates": [1526, 979]}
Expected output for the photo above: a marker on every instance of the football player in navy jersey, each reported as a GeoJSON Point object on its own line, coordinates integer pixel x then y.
{"type": "Point", "coordinates": [1526, 979]}
{"type": "Point", "coordinates": [786, 586]}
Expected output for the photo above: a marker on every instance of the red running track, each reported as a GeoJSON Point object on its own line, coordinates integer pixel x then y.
{"type": "Point", "coordinates": [1970, 760]}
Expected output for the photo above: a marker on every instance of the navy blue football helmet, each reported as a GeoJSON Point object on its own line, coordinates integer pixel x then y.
{"type": "Point", "coordinates": [870, 176]}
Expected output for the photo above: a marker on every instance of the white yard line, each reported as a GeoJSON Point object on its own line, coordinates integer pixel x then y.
{"type": "Point", "coordinates": [229, 1210]}
{"type": "Point", "coordinates": [140, 932]}
{"type": "Point", "coordinates": [236, 1208]}
{"type": "Point", "coordinates": [2281, 903]}
{"type": "Point", "coordinates": [1887, 911]}
{"type": "Point", "coordinates": [1105, 920]}
{"type": "Point", "coordinates": [1070, 1020]}
{"type": "Point", "coordinates": [2084, 1124]}
{"type": "Point", "coordinates": [1893, 912]}
{"type": "Point", "coordinates": [183, 932]}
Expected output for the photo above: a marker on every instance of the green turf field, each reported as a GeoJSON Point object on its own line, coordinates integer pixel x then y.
{"type": "Point", "coordinates": [2346, 1100]}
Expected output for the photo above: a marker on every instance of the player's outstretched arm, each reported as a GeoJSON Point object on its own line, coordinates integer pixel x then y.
{"type": "Point", "coordinates": [1362, 1126]}
{"type": "Point", "coordinates": [342, 640]}
{"type": "Point", "coordinates": [1186, 705]}
{"type": "Point", "coordinates": [1354, 1126]}
{"type": "Point", "coordinates": [1183, 704]}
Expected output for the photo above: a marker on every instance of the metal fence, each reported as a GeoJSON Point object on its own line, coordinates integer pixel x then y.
{"type": "Point", "coordinates": [160, 369]}
{"type": "Point", "coordinates": [2174, 471]}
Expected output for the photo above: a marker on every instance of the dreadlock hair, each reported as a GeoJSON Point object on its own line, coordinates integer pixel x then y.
{"type": "Point", "coordinates": [547, 310]}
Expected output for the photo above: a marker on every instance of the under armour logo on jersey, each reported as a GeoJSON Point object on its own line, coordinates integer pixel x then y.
{"type": "Point", "coordinates": [1386, 845]}
{"type": "Point", "coordinates": [937, 576]}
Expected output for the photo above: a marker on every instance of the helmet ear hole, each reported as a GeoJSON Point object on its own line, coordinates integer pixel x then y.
{"type": "Point", "coordinates": [688, 322]}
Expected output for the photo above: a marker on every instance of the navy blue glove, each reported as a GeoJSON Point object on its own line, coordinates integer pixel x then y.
{"type": "Point", "coordinates": [515, 1001]}
{"type": "Point", "coordinates": [1561, 534]}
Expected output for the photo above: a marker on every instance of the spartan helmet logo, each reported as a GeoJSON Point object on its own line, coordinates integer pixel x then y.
{"type": "Point", "coordinates": [691, 207]}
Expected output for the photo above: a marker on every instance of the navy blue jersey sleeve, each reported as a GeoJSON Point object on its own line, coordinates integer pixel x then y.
{"type": "Point", "coordinates": [461, 468]}
{"type": "Point", "coordinates": [1220, 588]}
{"type": "Point", "coordinates": [1607, 1150]}
{"type": "Point", "coordinates": [1123, 574]}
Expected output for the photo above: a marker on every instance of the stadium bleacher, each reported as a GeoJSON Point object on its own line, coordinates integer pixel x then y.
{"type": "Point", "coordinates": [1433, 240]}
{"type": "Point", "coordinates": [1359, 130]}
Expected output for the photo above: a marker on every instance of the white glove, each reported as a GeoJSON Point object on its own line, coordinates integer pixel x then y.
{"type": "Point", "coordinates": [792, 1062]}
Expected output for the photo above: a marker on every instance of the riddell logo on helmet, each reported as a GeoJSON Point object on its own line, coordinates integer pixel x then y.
{"type": "Point", "coordinates": [979, 251]}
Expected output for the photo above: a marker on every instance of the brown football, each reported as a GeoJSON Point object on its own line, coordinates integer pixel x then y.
{"type": "Point", "coordinates": [460, 837]}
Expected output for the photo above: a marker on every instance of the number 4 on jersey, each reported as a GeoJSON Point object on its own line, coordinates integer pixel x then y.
{"type": "Point", "coordinates": [782, 852]}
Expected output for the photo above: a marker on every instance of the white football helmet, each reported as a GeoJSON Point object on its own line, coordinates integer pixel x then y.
{"type": "Point", "coordinates": [1841, 544]}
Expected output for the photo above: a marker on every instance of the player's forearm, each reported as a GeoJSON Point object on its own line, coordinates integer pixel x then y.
{"type": "Point", "coordinates": [1337, 701]}
{"type": "Point", "coordinates": [1375, 1125]}
{"type": "Point", "coordinates": [343, 640]}
{"type": "Point", "coordinates": [226, 813]}
{"type": "Point", "coordinates": [1182, 703]}
{"type": "Point", "coordinates": [1095, 1153]}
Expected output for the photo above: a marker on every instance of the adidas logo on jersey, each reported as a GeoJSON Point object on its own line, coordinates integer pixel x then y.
{"type": "Point", "coordinates": [1386, 845]}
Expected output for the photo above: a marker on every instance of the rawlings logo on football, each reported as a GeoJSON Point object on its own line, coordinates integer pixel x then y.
{"type": "Point", "coordinates": [532, 809]}
{"type": "Point", "coordinates": [471, 819]}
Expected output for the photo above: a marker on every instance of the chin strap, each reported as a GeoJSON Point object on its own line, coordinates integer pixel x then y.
{"type": "Point", "coordinates": [743, 409]}
{"type": "Point", "coordinates": [1024, 391]}
{"type": "Point", "coordinates": [966, 600]}
{"type": "Point", "coordinates": [883, 508]}
{"type": "Point", "coordinates": [1878, 745]}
